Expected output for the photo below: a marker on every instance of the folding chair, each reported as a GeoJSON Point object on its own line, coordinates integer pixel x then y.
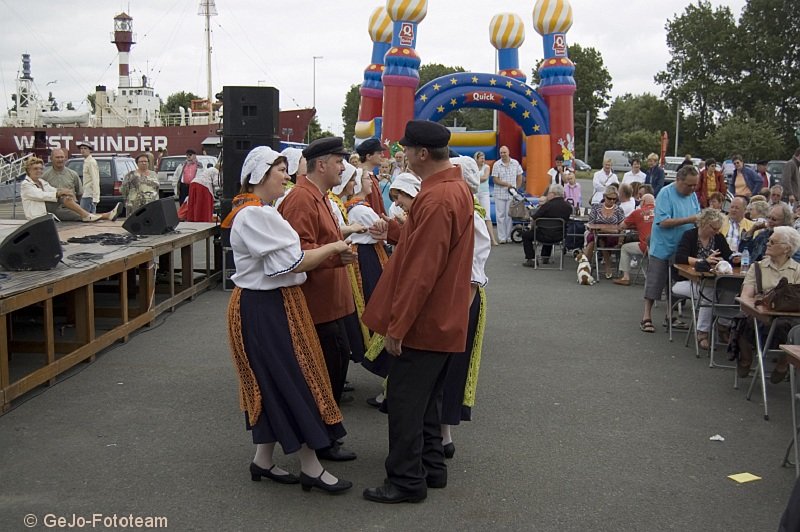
{"type": "Point", "coordinates": [550, 225]}
{"type": "Point", "coordinates": [674, 300]}
{"type": "Point", "coordinates": [723, 306]}
{"type": "Point", "coordinates": [793, 338]}
{"type": "Point", "coordinates": [642, 267]}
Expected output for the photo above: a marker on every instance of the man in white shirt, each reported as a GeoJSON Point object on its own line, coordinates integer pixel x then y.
{"type": "Point", "coordinates": [635, 175]}
{"type": "Point", "coordinates": [399, 163]}
{"type": "Point", "coordinates": [91, 178]}
{"type": "Point", "coordinates": [506, 173]}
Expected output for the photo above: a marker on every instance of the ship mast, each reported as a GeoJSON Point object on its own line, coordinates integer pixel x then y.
{"type": "Point", "coordinates": [208, 10]}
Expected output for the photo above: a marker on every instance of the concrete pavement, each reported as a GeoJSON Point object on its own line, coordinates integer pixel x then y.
{"type": "Point", "coordinates": [582, 423]}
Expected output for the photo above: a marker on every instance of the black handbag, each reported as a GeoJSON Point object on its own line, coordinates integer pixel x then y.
{"type": "Point", "coordinates": [785, 297]}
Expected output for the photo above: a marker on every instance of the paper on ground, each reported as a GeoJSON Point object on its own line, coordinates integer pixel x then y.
{"type": "Point", "coordinates": [741, 478]}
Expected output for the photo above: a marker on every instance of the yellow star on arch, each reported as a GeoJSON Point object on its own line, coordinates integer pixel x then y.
{"type": "Point", "coordinates": [453, 101]}
{"type": "Point", "coordinates": [436, 86]}
{"type": "Point", "coordinates": [528, 92]}
{"type": "Point", "coordinates": [526, 114]}
{"type": "Point", "coordinates": [513, 105]}
{"type": "Point", "coordinates": [453, 81]}
{"type": "Point", "coordinates": [536, 127]}
{"type": "Point", "coordinates": [424, 98]}
{"type": "Point", "coordinates": [440, 109]}
{"type": "Point", "coordinates": [509, 84]}
{"type": "Point", "coordinates": [492, 82]}
{"type": "Point", "coordinates": [534, 103]}
{"type": "Point", "coordinates": [474, 79]}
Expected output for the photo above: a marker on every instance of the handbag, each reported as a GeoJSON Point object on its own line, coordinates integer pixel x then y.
{"type": "Point", "coordinates": [785, 297]}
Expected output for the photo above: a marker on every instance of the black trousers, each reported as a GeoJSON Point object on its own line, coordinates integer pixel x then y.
{"type": "Point", "coordinates": [183, 192]}
{"type": "Point", "coordinates": [530, 249]}
{"type": "Point", "coordinates": [336, 350]}
{"type": "Point", "coordinates": [414, 399]}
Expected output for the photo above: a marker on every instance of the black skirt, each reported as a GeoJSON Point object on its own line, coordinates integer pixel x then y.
{"type": "Point", "coordinates": [371, 269]}
{"type": "Point", "coordinates": [453, 409]}
{"type": "Point", "coordinates": [290, 415]}
{"type": "Point", "coordinates": [353, 328]}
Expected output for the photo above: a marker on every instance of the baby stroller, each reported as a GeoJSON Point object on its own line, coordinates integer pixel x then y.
{"type": "Point", "coordinates": [520, 211]}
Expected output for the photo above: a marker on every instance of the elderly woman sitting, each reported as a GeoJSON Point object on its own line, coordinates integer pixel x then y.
{"type": "Point", "coordinates": [607, 212]}
{"type": "Point", "coordinates": [777, 263]}
{"type": "Point", "coordinates": [703, 243]}
{"type": "Point", "coordinates": [755, 240]}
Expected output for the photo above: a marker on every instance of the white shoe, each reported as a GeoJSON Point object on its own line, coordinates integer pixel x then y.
{"type": "Point", "coordinates": [116, 211]}
{"type": "Point", "coordinates": [92, 218]}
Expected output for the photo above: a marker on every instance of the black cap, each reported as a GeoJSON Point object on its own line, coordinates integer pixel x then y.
{"type": "Point", "coordinates": [763, 162]}
{"type": "Point", "coordinates": [425, 134]}
{"type": "Point", "coordinates": [370, 146]}
{"type": "Point", "coordinates": [325, 146]}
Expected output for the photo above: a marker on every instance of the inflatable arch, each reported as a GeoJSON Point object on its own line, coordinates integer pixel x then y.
{"type": "Point", "coordinates": [544, 118]}
{"type": "Point", "coordinates": [492, 91]}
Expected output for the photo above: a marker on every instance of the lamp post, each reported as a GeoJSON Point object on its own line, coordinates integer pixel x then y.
{"type": "Point", "coordinates": [314, 82]}
{"type": "Point", "coordinates": [678, 112]}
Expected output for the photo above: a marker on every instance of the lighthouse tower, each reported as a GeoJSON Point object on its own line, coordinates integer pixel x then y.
{"type": "Point", "coordinates": [123, 38]}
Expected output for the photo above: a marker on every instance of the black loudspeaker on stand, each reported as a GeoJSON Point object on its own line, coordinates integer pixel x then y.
{"type": "Point", "coordinates": [33, 246]}
{"type": "Point", "coordinates": [154, 218]}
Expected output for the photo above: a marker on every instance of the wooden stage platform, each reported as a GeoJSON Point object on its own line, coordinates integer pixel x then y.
{"type": "Point", "coordinates": [99, 294]}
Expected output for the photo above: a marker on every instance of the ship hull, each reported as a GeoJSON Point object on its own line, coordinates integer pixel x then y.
{"type": "Point", "coordinates": [119, 140]}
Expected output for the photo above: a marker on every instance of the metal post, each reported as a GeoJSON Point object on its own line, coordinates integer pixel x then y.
{"type": "Point", "coordinates": [677, 124]}
{"type": "Point", "coordinates": [314, 82]}
{"type": "Point", "coordinates": [586, 144]}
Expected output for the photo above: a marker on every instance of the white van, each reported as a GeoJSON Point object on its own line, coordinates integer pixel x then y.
{"type": "Point", "coordinates": [619, 160]}
{"type": "Point", "coordinates": [671, 165]}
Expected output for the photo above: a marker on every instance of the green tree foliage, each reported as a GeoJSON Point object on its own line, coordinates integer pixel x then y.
{"type": "Point", "coordinates": [633, 123]}
{"type": "Point", "coordinates": [178, 99]}
{"type": "Point", "coordinates": [92, 99]}
{"type": "Point", "coordinates": [593, 91]}
{"type": "Point", "coordinates": [703, 68]}
{"type": "Point", "coordinates": [770, 87]}
{"type": "Point", "coordinates": [350, 114]}
{"type": "Point", "coordinates": [751, 138]}
{"type": "Point", "coordinates": [315, 131]}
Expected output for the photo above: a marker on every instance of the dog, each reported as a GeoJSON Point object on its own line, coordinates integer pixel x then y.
{"type": "Point", "coordinates": [584, 268]}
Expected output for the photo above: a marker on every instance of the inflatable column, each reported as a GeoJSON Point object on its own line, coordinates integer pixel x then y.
{"type": "Point", "coordinates": [371, 91]}
{"type": "Point", "coordinates": [507, 33]}
{"type": "Point", "coordinates": [552, 19]}
{"type": "Point", "coordinates": [401, 75]}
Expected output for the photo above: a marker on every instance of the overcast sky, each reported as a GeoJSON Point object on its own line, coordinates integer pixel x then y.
{"type": "Point", "coordinates": [272, 42]}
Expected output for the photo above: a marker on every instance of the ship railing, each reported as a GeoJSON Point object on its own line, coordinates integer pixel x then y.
{"type": "Point", "coordinates": [12, 167]}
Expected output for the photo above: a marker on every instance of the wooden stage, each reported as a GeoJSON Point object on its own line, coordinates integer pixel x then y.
{"type": "Point", "coordinates": [99, 294]}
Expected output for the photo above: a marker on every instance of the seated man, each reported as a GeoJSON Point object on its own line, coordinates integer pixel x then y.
{"type": "Point", "coordinates": [63, 178]}
{"type": "Point", "coordinates": [640, 220]}
{"type": "Point", "coordinates": [555, 207]}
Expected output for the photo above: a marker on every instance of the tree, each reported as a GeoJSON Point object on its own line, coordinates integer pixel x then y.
{"type": "Point", "coordinates": [178, 99]}
{"type": "Point", "coordinates": [770, 87]}
{"type": "Point", "coordinates": [633, 123]}
{"type": "Point", "coordinates": [315, 131]}
{"type": "Point", "coordinates": [703, 70]}
{"type": "Point", "coordinates": [350, 114]}
{"type": "Point", "coordinates": [751, 138]}
{"type": "Point", "coordinates": [92, 99]}
{"type": "Point", "coordinates": [593, 89]}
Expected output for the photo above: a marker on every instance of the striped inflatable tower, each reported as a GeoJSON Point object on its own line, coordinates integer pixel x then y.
{"type": "Point", "coordinates": [507, 33]}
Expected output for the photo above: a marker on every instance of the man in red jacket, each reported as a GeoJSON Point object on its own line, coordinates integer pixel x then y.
{"type": "Point", "coordinates": [421, 306]}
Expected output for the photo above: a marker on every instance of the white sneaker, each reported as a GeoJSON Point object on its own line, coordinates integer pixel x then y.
{"type": "Point", "coordinates": [116, 211]}
{"type": "Point", "coordinates": [92, 218]}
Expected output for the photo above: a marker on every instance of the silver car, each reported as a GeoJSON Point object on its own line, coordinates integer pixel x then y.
{"type": "Point", "coordinates": [167, 167]}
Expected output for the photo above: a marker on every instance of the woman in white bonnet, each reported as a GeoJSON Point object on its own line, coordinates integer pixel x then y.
{"type": "Point", "coordinates": [462, 375]}
{"type": "Point", "coordinates": [283, 383]}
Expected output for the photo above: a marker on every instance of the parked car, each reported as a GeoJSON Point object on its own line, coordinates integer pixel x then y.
{"type": "Point", "coordinates": [166, 169]}
{"type": "Point", "coordinates": [619, 160]}
{"type": "Point", "coordinates": [775, 168]}
{"type": "Point", "coordinates": [582, 166]}
{"type": "Point", "coordinates": [671, 165]}
{"type": "Point", "coordinates": [113, 169]}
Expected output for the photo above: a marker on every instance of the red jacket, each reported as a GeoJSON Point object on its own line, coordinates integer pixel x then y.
{"type": "Point", "coordinates": [702, 189]}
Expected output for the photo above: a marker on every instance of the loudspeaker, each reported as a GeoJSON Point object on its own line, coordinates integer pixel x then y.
{"type": "Point", "coordinates": [154, 218]}
{"type": "Point", "coordinates": [234, 151]}
{"type": "Point", "coordinates": [33, 246]}
{"type": "Point", "coordinates": [250, 111]}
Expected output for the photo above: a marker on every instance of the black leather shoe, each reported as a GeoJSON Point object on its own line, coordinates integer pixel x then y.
{"type": "Point", "coordinates": [388, 494]}
{"type": "Point", "coordinates": [449, 450]}
{"type": "Point", "coordinates": [308, 482]}
{"type": "Point", "coordinates": [336, 453]}
{"type": "Point", "coordinates": [347, 387]}
{"type": "Point", "coordinates": [436, 482]}
{"type": "Point", "coordinates": [256, 473]}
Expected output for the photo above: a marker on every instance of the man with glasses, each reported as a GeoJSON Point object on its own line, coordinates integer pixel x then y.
{"type": "Point", "coordinates": [677, 210]}
{"type": "Point", "coordinates": [755, 240]}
